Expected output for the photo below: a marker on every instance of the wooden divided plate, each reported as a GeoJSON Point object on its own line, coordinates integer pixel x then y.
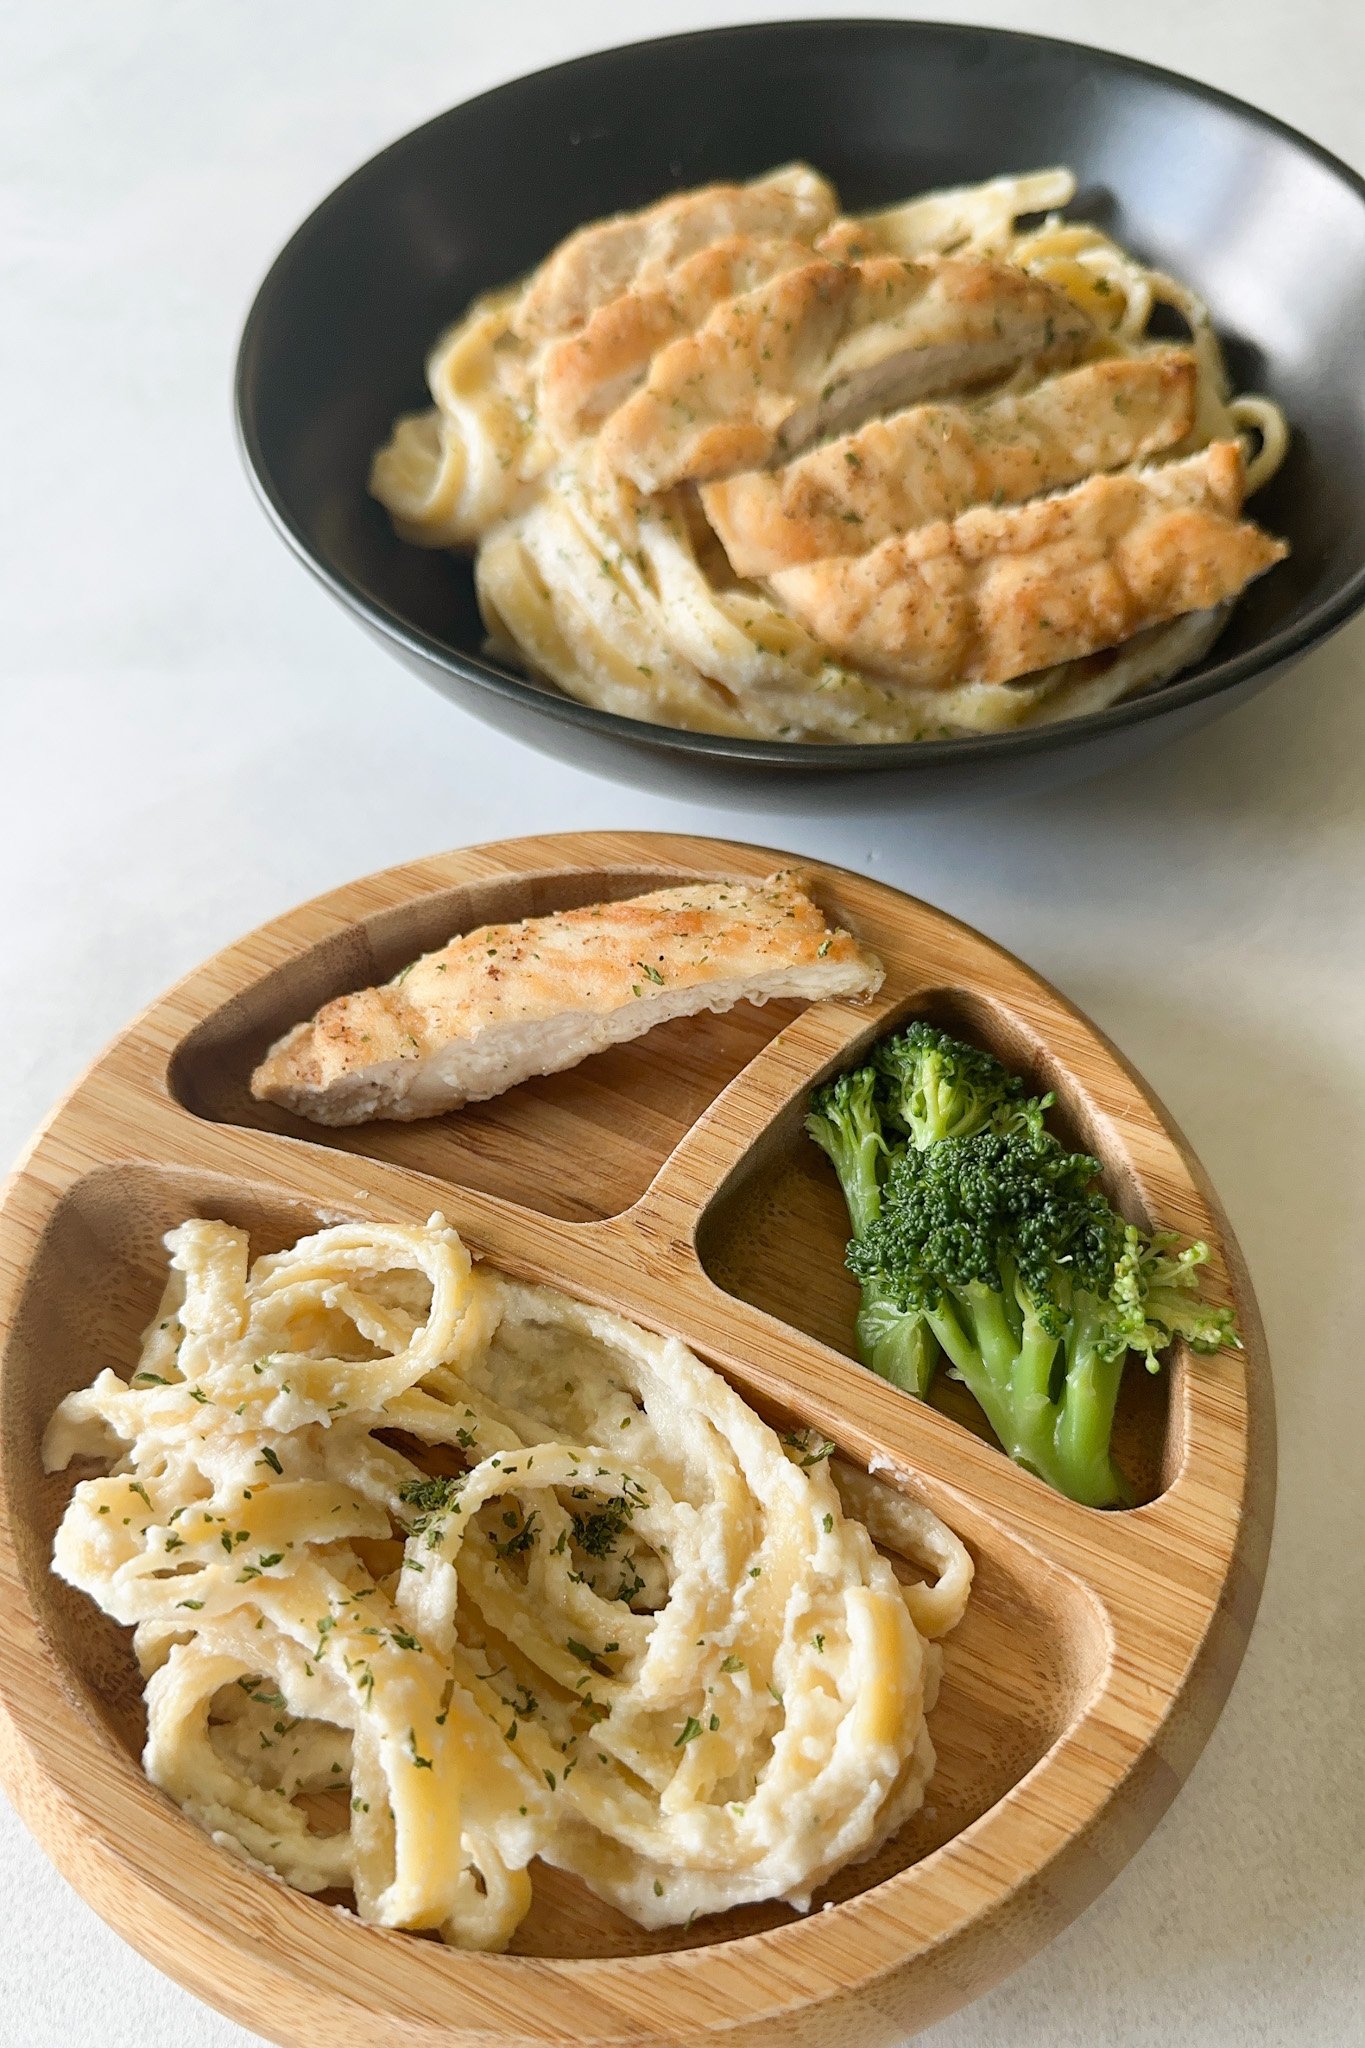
{"type": "Point", "coordinates": [669, 1179]}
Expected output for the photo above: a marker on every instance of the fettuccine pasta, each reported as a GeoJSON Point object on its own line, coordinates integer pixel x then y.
{"type": "Point", "coordinates": [432, 1573]}
{"type": "Point", "coordinates": [626, 600]}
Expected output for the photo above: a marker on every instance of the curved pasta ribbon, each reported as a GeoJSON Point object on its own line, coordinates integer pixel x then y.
{"type": "Point", "coordinates": [432, 1573]}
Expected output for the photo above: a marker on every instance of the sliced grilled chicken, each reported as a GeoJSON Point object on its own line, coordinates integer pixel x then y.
{"type": "Point", "coordinates": [997, 594]}
{"type": "Point", "coordinates": [934, 461]}
{"type": "Point", "coordinates": [584, 376]}
{"type": "Point", "coordinates": [508, 1001]}
{"type": "Point", "coordinates": [610, 256]}
{"type": "Point", "coordinates": [818, 349]}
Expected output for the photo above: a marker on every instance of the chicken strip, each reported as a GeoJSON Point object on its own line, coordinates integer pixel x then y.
{"type": "Point", "coordinates": [819, 349]}
{"type": "Point", "coordinates": [935, 461]}
{"type": "Point", "coordinates": [584, 376]}
{"type": "Point", "coordinates": [510, 1000]}
{"type": "Point", "coordinates": [607, 258]}
{"type": "Point", "coordinates": [997, 594]}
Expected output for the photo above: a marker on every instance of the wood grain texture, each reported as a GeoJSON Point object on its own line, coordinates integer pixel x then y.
{"type": "Point", "coordinates": [671, 1182]}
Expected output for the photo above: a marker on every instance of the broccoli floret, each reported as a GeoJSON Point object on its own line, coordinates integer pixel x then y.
{"type": "Point", "coordinates": [845, 1122]}
{"type": "Point", "coordinates": [933, 1087]}
{"type": "Point", "coordinates": [1035, 1289]}
{"type": "Point", "coordinates": [1159, 1296]}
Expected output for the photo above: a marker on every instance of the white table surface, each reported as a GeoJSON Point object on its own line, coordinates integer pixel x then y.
{"type": "Point", "coordinates": [192, 738]}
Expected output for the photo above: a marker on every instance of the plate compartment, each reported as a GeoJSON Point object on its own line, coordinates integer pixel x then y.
{"type": "Point", "coordinates": [1075, 1702]}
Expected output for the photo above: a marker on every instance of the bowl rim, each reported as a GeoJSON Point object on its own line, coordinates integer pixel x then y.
{"type": "Point", "coordinates": [809, 756]}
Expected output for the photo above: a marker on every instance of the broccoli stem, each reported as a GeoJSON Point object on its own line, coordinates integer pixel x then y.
{"type": "Point", "coordinates": [1065, 1440]}
{"type": "Point", "coordinates": [848, 1131]}
{"type": "Point", "coordinates": [1085, 1422]}
{"type": "Point", "coordinates": [858, 1176]}
{"type": "Point", "coordinates": [970, 1367]}
{"type": "Point", "coordinates": [895, 1342]}
{"type": "Point", "coordinates": [996, 1337]}
{"type": "Point", "coordinates": [1034, 1402]}
{"type": "Point", "coordinates": [845, 1123]}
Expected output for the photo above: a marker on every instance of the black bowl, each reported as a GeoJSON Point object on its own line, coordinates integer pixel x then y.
{"type": "Point", "coordinates": [1270, 228]}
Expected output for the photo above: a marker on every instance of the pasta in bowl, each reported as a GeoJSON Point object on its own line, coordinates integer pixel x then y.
{"type": "Point", "coordinates": [743, 464]}
{"type": "Point", "coordinates": [433, 1573]}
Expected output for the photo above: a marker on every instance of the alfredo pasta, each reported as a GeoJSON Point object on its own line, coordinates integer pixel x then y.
{"type": "Point", "coordinates": [554, 447]}
{"type": "Point", "coordinates": [432, 1574]}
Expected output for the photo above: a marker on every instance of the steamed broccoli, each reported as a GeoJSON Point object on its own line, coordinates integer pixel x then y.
{"type": "Point", "coordinates": [895, 1342]}
{"type": "Point", "coordinates": [845, 1121]}
{"type": "Point", "coordinates": [933, 1087]}
{"type": "Point", "coordinates": [921, 1086]}
{"type": "Point", "coordinates": [1159, 1296]}
{"type": "Point", "coordinates": [1035, 1289]}
{"type": "Point", "coordinates": [977, 1235]}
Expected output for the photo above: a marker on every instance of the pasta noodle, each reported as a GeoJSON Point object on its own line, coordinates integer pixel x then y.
{"type": "Point", "coordinates": [629, 604]}
{"type": "Point", "coordinates": [432, 1573]}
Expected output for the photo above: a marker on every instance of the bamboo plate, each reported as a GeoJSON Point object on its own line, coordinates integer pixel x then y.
{"type": "Point", "coordinates": [669, 1179]}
